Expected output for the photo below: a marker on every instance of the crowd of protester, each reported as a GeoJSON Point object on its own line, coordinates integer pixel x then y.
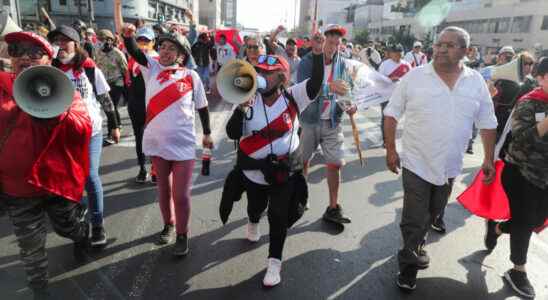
{"type": "Point", "coordinates": [141, 63]}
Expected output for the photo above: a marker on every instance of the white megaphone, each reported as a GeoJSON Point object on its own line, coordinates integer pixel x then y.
{"type": "Point", "coordinates": [43, 92]}
{"type": "Point", "coordinates": [237, 81]}
{"type": "Point", "coordinates": [7, 25]}
{"type": "Point", "coordinates": [512, 71]}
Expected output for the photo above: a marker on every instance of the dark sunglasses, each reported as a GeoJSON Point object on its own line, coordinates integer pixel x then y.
{"type": "Point", "coordinates": [253, 47]}
{"type": "Point", "coordinates": [270, 60]}
{"type": "Point", "coordinates": [33, 52]}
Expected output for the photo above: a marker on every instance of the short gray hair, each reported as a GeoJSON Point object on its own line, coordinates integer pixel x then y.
{"type": "Point", "coordinates": [464, 36]}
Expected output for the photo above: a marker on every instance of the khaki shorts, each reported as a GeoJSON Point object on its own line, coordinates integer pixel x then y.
{"type": "Point", "coordinates": [330, 139]}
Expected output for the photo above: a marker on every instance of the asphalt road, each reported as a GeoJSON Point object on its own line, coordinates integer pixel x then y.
{"type": "Point", "coordinates": [320, 261]}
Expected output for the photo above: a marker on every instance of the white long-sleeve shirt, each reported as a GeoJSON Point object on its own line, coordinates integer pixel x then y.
{"type": "Point", "coordinates": [438, 121]}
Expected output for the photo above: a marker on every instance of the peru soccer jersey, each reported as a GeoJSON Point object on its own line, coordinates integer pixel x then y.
{"type": "Point", "coordinates": [172, 95]}
{"type": "Point", "coordinates": [281, 132]}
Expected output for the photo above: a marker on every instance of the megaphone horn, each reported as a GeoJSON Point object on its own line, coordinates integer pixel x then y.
{"type": "Point", "coordinates": [7, 25]}
{"type": "Point", "coordinates": [512, 71]}
{"type": "Point", "coordinates": [237, 81]}
{"type": "Point", "coordinates": [43, 92]}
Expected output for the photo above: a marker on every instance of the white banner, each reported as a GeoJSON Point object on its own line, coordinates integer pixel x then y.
{"type": "Point", "coordinates": [370, 87]}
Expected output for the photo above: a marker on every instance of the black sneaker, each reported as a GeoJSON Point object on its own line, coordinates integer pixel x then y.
{"type": "Point", "coordinates": [181, 245]}
{"type": "Point", "coordinates": [81, 246]}
{"type": "Point", "coordinates": [519, 282]}
{"type": "Point", "coordinates": [166, 236]}
{"type": "Point", "coordinates": [335, 215]}
{"type": "Point", "coordinates": [491, 235]}
{"type": "Point", "coordinates": [470, 150]}
{"type": "Point", "coordinates": [108, 142]}
{"type": "Point", "coordinates": [407, 280]}
{"type": "Point", "coordinates": [98, 236]}
{"type": "Point", "coordinates": [142, 176]}
{"type": "Point", "coordinates": [423, 260]}
{"type": "Point", "coordinates": [438, 225]}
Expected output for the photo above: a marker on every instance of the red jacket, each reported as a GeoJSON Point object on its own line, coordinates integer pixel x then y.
{"type": "Point", "coordinates": [45, 156]}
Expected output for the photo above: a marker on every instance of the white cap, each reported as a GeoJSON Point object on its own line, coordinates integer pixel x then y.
{"type": "Point", "coordinates": [90, 30]}
{"type": "Point", "coordinates": [507, 49]}
{"type": "Point", "coordinates": [417, 44]}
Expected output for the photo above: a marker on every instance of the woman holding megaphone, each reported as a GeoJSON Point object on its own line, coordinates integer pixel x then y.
{"type": "Point", "coordinates": [268, 152]}
{"type": "Point", "coordinates": [94, 89]}
{"type": "Point", "coordinates": [43, 154]}
{"type": "Point", "coordinates": [173, 92]}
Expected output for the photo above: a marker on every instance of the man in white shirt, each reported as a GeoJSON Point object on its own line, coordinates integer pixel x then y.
{"type": "Point", "coordinates": [225, 53]}
{"type": "Point", "coordinates": [439, 115]}
{"type": "Point", "coordinates": [415, 57]}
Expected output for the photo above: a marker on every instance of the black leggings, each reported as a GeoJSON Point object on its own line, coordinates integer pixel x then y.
{"type": "Point", "coordinates": [529, 210]}
{"type": "Point", "coordinates": [277, 199]}
{"type": "Point", "coordinates": [137, 116]}
{"type": "Point", "coordinates": [116, 92]}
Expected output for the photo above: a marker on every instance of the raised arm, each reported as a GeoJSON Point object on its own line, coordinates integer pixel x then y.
{"type": "Point", "coordinates": [128, 33]}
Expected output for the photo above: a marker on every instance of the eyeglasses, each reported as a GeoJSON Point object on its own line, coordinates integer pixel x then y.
{"type": "Point", "coordinates": [253, 47]}
{"type": "Point", "coordinates": [270, 60]}
{"type": "Point", "coordinates": [449, 46]}
{"type": "Point", "coordinates": [33, 52]}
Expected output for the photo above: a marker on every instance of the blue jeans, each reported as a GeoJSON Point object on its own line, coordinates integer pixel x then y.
{"type": "Point", "coordinates": [204, 76]}
{"type": "Point", "coordinates": [94, 187]}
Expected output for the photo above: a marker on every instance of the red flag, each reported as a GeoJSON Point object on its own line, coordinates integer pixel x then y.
{"type": "Point", "coordinates": [230, 34]}
{"type": "Point", "coordinates": [489, 201]}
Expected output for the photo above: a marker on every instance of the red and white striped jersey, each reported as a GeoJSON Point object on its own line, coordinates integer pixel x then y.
{"type": "Point", "coordinates": [172, 95]}
{"type": "Point", "coordinates": [394, 70]}
{"type": "Point", "coordinates": [283, 123]}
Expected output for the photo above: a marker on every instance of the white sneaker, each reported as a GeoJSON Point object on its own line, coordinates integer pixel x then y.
{"type": "Point", "coordinates": [272, 276]}
{"type": "Point", "coordinates": [307, 206]}
{"type": "Point", "coordinates": [253, 232]}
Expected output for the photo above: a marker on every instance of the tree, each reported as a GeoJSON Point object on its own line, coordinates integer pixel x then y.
{"type": "Point", "coordinates": [361, 37]}
{"type": "Point", "coordinates": [402, 37]}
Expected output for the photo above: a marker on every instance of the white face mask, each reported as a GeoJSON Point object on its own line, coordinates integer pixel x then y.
{"type": "Point", "coordinates": [67, 59]}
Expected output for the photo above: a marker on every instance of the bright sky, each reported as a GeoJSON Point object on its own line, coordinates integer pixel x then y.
{"type": "Point", "coordinates": [267, 14]}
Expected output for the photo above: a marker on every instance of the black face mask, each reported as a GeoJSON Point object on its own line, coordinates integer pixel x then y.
{"type": "Point", "coordinates": [108, 47]}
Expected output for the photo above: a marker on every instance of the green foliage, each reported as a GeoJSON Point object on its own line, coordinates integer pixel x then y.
{"type": "Point", "coordinates": [404, 38]}
{"type": "Point", "coordinates": [361, 36]}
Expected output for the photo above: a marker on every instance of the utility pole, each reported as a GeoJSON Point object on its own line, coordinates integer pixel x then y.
{"type": "Point", "coordinates": [91, 13]}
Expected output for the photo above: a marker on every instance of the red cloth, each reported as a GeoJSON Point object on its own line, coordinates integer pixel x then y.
{"type": "Point", "coordinates": [300, 43]}
{"type": "Point", "coordinates": [537, 94]}
{"type": "Point", "coordinates": [229, 33]}
{"type": "Point", "coordinates": [52, 156]}
{"type": "Point", "coordinates": [489, 201]}
{"type": "Point", "coordinates": [77, 70]}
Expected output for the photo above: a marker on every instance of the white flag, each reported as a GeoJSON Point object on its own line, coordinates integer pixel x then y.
{"type": "Point", "coordinates": [370, 87]}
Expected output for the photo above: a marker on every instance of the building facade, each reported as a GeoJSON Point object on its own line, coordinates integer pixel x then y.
{"type": "Point", "coordinates": [229, 11]}
{"type": "Point", "coordinates": [210, 13]}
{"type": "Point", "coordinates": [66, 11]}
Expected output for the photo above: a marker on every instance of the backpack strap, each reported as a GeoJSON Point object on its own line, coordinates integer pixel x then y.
{"type": "Point", "coordinates": [90, 73]}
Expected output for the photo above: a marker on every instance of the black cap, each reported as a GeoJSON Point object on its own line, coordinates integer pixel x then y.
{"type": "Point", "coordinates": [395, 48]}
{"type": "Point", "coordinates": [178, 40]}
{"type": "Point", "coordinates": [291, 41]}
{"type": "Point", "coordinates": [541, 68]}
{"type": "Point", "coordinates": [65, 30]}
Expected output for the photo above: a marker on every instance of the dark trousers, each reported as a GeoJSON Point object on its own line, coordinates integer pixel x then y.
{"type": "Point", "coordinates": [383, 106]}
{"type": "Point", "coordinates": [277, 199]}
{"type": "Point", "coordinates": [116, 93]}
{"type": "Point", "coordinates": [423, 202]}
{"type": "Point", "coordinates": [137, 116]}
{"type": "Point", "coordinates": [529, 210]}
{"type": "Point", "coordinates": [28, 216]}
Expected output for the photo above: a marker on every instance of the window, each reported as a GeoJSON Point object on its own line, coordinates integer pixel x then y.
{"type": "Point", "coordinates": [521, 24]}
{"type": "Point", "coordinates": [504, 25]}
{"type": "Point", "coordinates": [544, 25]}
{"type": "Point", "coordinates": [63, 2]}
